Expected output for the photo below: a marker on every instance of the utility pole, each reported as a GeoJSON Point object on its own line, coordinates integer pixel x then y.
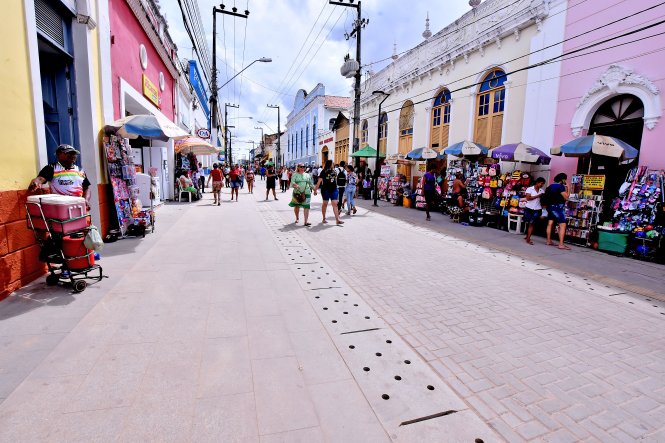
{"type": "Point", "coordinates": [213, 98]}
{"type": "Point", "coordinates": [358, 24]}
{"type": "Point", "coordinates": [226, 130]}
{"type": "Point", "coordinates": [279, 146]}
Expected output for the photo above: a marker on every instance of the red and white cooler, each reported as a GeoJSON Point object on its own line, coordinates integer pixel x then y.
{"type": "Point", "coordinates": [64, 213]}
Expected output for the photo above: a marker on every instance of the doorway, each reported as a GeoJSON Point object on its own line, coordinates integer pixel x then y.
{"type": "Point", "coordinates": [324, 155]}
{"type": "Point", "coordinates": [620, 117]}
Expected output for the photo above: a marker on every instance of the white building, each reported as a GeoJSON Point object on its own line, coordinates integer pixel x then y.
{"type": "Point", "coordinates": [469, 81]}
{"type": "Point", "coordinates": [312, 115]}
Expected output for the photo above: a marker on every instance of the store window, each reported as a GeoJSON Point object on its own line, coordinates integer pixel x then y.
{"type": "Point", "coordinates": [490, 105]}
{"type": "Point", "coordinates": [440, 120]}
{"type": "Point", "coordinates": [383, 132]}
{"type": "Point", "coordinates": [406, 116]}
{"type": "Point", "coordinates": [363, 133]}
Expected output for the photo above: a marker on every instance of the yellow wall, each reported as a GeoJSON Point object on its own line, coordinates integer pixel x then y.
{"type": "Point", "coordinates": [17, 121]}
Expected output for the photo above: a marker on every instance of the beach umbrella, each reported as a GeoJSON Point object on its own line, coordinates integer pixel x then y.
{"type": "Point", "coordinates": [147, 126]}
{"type": "Point", "coordinates": [422, 154]}
{"type": "Point", "coordinates": [195, 145]}
{"type": "Point", "coordinates": [519, 152]}
{"type": "Point", "coordinates": [464, 149]}
{"type": "Point", "coordinates": [367, 151]}
{"type": "Point", "coordinates": [596, 144]}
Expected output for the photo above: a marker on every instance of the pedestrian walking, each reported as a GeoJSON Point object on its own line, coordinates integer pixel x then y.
{"type": "Point", "coordinates": [217, 177]}
{"type": "Point", "coordinates": [329, 191]}
{"type": "Point", "coordinates": [341, 184]}
{"type": "Point", "coordinates": [429, 189]}
{"type": "Point", "coordinates": [301, 182]}
{"type": "Point", "coordinates": [350, 190]}
{"type": "Point", "coordinates": [241, 176]}
{"type": "Point", "coordinates": [249, 177]}
{"type": "Point", "coordinates": [271, 182]}
{"type": "Point", "coordinates": [533, 209]}
{"type": "Point", "coordinates": [315, 174]}
{"type": "Point", "coordinates": [284, 179]}
{"type": "Point", "coordinates": [234, 179]}
{"type": "Point", "coordinates": [226, 175]}
{"type": "Point", "coordinates": [555, 198]}
{"type": "Point", "coordinates": [262, 171]}
{"type": "Point", "coordinates": [201, 178]}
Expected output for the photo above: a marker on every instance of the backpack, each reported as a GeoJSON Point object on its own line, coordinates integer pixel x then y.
{"type": "Point", "coordinates": [341, 178]}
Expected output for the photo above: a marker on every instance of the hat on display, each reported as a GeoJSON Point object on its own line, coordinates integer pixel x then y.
{"type": "Point", "coordinates": [66, 149]}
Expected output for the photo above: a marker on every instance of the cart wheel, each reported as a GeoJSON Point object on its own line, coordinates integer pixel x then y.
{"type": "Point", "coordinates": [79, 285]}
{"type": "Point", "coordinates": [52, 279]}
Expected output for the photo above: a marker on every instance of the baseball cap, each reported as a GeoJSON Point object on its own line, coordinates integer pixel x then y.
{"type": "Point", "coordinates": [67, 149]}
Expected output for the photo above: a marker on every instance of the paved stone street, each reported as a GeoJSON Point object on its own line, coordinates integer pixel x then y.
{"type": "Point", "coordinates": [231, 323]}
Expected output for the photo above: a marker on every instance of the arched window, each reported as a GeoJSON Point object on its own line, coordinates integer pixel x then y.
{"type": "Point", "coordinates": [406, 115]}
{"type": "Point", "coordinates": [440, 120]}
{"type": "Point", "coordinates": [363, 133]}
{"type": "Point", "coordinates": [314, 141]}
{"type": "Point", "coordinates": [383, 132]}
{"type": "Point", "coordinates": [489, 109]}
{"type": "Point", "coordinates": [307, 139]}
{"type": "Point", "coordinates": [302, 150]}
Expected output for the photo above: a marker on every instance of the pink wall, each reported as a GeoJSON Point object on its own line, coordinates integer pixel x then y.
{"type": "Point", "coordinates": [579, 74]}
{"type": "Point", "coordinates": [127, 35]}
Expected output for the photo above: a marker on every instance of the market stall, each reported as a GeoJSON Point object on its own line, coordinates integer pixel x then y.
{"type": "Point", "coordinates": [134, 215]}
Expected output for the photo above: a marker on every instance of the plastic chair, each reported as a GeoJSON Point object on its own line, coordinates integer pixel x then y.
{"type": "Point", "coordinates": [515, 224]}
{"type": "Point", "coordinates": [181, 191]}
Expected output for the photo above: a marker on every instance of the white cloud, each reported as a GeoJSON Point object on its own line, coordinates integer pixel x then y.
{"type": "Point", "coordinates": [277, 29]}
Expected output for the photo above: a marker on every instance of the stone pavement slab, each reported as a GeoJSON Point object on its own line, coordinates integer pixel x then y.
{"type": "Point", "coordinates": [540, 352]}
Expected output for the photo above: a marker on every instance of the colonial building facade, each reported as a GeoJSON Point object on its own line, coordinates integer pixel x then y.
{"type": "Point", "coordinates": [469, 81]}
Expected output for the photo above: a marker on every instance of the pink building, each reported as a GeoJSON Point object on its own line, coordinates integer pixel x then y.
{"type": "Point", "coordinates": [614, 89]}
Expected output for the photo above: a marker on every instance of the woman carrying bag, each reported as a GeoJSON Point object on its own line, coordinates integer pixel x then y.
{"type": "Point", "coordinates": [301, 182]}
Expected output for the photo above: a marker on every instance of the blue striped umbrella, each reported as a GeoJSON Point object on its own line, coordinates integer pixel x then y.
{"type": "Point", "coordinates": [147, 126]}
{"type": "Point", "coordinates": [596, 144]}
{"type": "Point", "coordinates": [465, 148]}
{"type": "Point", "coordinates": [422, 154]}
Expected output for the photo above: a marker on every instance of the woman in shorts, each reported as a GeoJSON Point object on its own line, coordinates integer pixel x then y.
{"type": "Point", "coordinates": [217, 177]}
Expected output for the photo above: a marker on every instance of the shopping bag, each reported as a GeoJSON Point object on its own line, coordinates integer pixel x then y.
{"type": "Point", "coordinates": [93, 240]}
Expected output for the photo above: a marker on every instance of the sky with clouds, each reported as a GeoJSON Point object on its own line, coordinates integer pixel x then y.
{"type": "Point", "coordinates": [306, 42]}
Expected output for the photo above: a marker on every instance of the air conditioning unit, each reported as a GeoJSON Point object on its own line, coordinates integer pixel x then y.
{"type": "Point", "coordinates": [349, 68]}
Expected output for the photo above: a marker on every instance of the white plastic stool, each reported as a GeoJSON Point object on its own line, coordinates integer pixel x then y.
{"type": "Point", "coordinates": [515, 224]}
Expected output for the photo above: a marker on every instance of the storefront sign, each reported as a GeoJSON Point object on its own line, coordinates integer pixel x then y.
{"type": "Point", "coordinates": [203, 133]}
{"type": "Point", "coordinates": [422, 167]}
{"type": "Point", "coordinates": [197, 84]}
{"type": "Point", "coordinates": [404, 162]}
{"type": "Point", "coordinates": [328, 140]}
{"type": "Point", "coordinates": [150, 90]}
{"type": "Point", "coordinates": [385, 171]}
{"type": "Point", "coordinates": [593, 182]}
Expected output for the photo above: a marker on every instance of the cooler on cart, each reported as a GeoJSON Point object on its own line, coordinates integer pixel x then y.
{"type": "Point", "coordinates": [60, 224]}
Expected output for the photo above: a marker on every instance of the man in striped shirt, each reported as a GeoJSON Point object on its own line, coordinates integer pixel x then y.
{"type": "Point", "coordinates": [63, 177]}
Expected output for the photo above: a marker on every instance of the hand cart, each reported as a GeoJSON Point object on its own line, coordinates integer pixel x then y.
{"type": "Point", "coordinates": [50, 235]}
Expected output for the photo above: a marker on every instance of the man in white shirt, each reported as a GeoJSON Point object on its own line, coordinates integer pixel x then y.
{"type": "Point", "coordinates": [533, 209]}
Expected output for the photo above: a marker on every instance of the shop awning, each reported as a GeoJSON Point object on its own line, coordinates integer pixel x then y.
{"type": "Point", "coordinates": [367, 152]}
{"type": "Point", "coordinates": [147, 126]}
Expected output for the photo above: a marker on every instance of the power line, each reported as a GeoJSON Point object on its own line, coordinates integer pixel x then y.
{"type": "Point", "coordinates": [535, 65]}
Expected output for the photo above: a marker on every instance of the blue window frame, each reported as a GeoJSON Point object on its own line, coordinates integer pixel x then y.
{"type": "Point", "coordinates": [493, 80]}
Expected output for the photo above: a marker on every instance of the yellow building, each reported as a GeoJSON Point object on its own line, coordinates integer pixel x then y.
{"type": "Point", "coordinates": [50, 93]}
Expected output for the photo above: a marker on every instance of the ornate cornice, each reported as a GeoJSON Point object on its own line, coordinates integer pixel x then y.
{"type": "Point", "coordinates": [488, 24]}
{"type": "Point", "coordinates": [615, 76]}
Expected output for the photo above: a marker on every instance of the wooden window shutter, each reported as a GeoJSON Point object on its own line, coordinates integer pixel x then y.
{"type": "Point", "coordinates": [495, 134]}
{"type": "Point", "coordinates": [482, 127]}
{"type": "Point", "coordinates": [445, 131]}
{"type": "Point", "coordinates": [436, 135]}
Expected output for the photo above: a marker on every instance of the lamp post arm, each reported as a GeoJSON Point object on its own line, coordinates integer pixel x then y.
{"type": "Point", "coordinates": [241, 71]}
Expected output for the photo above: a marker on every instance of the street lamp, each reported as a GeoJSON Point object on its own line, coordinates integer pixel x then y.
{"type": "Point", "coordinates": [236, 118]}
{"type": "Point", "coordinates": [378, 137]}
{"type": "Point", "coordinates": [262, 60]}
{"type": "Point", "coordinates": [265, 124]}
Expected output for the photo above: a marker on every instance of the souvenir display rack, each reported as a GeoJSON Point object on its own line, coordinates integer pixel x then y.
{"type": "Point", "coordinates": [122, 173]}
{"type": "Point", "coordinates": [393, 186]}
{"type": "Point", "coordinates": [383, 186]}
{"type": "Point", "coordinates": [583, 210]}
{"type": "Point", "coordinates": [420, 195]}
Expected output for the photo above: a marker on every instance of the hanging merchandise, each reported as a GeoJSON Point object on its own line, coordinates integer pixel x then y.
{"type": "Point", "coordinates": [122, 172]}
{"type": "Point", "coordinates": [584, 208]}
{"type": "Point", "coordinates": [637, 216]}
